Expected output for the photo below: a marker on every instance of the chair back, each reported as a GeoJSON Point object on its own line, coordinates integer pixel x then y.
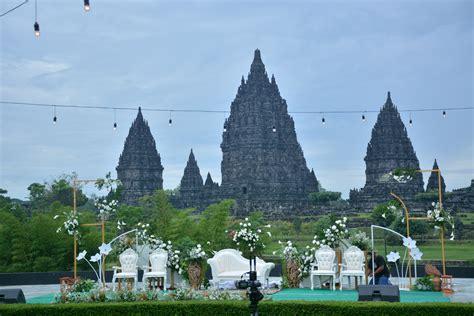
{"type": "Point", "coordinates": [158, 260]}
{"type": "Point", "coordinates": [325, 258]}
{"type": "Point", "coordinates": [128, 260]}
{"type": "Point", "coordinates": [354, 258]}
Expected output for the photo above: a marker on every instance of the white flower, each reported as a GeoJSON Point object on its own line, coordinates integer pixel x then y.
{"type": "Point", "coordinates": [95, 258]}
{"type": "Point", "coordinates": [246, 219]}
{"type": "Point", "coordinates": [56, 216]}
{"type": "Point", "coordinates": [81, 255]}
{"type": "Point", "coordinates": [409, 243]}
{"type": "Point", "coordinates": [384, 216]}
{"type": "Point", "coordinates": [416, 254]}
{"type": "Point", "coordinates": [105, 249]}
{"type": "Point", "coordinates": [269, 234]}
{"type": "Point", "coordinates": [393, 256]}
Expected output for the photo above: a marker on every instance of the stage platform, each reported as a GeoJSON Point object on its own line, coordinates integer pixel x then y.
{"type": "Point", "coordinates": [305, 294]}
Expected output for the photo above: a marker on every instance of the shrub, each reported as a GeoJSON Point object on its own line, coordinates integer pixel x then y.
{"type": "Point", "coordinates": [324, 197]}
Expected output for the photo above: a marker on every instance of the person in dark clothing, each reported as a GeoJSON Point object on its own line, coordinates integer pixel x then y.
{"type": "Point", "coordinates": [382, 273]}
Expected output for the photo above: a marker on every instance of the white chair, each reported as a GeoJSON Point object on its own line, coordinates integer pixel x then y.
{"type": "Point", "coordinates": [325, 264]}
{"type": "Point", "coordinates": [128, 265]}
{"type": "Point", "coordinates": [353, 265]}
{"type": "Point", "coordinates": [157, 269]}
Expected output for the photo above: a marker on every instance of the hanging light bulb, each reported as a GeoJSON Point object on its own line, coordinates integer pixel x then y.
{"type": "Point", "coordinates": [444, 113]}
{"type": "Point", "coordinates": [37, 29]}
{"type": "Point", "coordinates": [363, 117]}
{"type": "Point", "coordinates": [225, 126]}
{"type": "Point", "coordinates": [170, 121]}
{"type": "Point", "coordinates": [36, 26]}
{"type": "Point", "coordinates": [411, 121]}
{"type": "Point", "coordinates": [274, 129]}
{"type": "Point", "coordinates": [323, 120]}
{"type": "Point", "coordinates": [115, 126]}
{"type": "Point", "coordinates": [87, 6]}
{"type": "Point", "coordinates": [55, 119]}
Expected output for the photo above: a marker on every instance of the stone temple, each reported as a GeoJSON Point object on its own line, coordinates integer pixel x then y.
{"type": "Point", "coordinates": [389, 148]}
{"type": "Point", "coordinates": [139, 168]}
{"type": "Point", "coordinates": [263, 166]}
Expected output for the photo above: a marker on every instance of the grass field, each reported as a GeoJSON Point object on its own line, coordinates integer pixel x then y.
{"type": "Point", "coordinates": [454, 250]}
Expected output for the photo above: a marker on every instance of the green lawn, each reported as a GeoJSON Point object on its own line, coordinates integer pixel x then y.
{"type": "Point", "coordinates": [454, 250]}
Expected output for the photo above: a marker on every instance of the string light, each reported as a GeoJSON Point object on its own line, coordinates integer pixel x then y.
{"type": "Point", "coordinates": [363, 117]}
{"type": "Point", "coordinates": [274, 129]}
{"type": "Point", "coordinates": [115, 119]}
{"type": "Point", "coordinates": [87, 6]}
{"type": "Point", "coordinates": [55, 119]}
{"type": "Point", "coordinates": [36, 25]}
{"type": "Point", "coordinates": [323, 120]}
{"type": "Point", "coordinates": [170, 121]}
{"type": "Point", "coordinates": [225, 126]}
{"type": "Point", "coordinates": [411, 121]}
{"type": "Point", "coordinates": [444, 113]}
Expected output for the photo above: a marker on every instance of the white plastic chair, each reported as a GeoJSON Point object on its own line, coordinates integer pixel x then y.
{"type": "Point", "coordinates": [353, 265]}
{"type": "Point", "coordinates": [325, 265]}
{"type": "Point", "coordinates": [128, 265]}
{"type": "Point", "coordinates": [157, 269]}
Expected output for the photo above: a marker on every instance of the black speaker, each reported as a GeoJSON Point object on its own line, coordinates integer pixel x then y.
{"type": "Point", "coordinates": [386, 293]}
{"type": "Point", "coordinates": [11, 296]}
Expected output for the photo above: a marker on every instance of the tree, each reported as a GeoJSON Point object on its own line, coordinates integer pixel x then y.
{"type": "Point", "coordinates": [158, 208]}
{"type": "Point", "coordinates": [214, 221]}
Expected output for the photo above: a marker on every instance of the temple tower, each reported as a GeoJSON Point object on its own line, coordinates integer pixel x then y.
{"type": "Point", "coordinates": [433, 180]}
{"type": "Point", "coordinates": [389, 148]}
{"type": "Point", "coordinates": [139, 168]}
{"type": "Point", "coordinates": [263, 166]}
{"type": "Point", "coordinates": [191, 187]}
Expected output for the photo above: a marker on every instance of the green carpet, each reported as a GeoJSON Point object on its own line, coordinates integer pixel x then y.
{"type": "Point", "coordinates": [43, 299]}
{"type": "Point", "coordinates": [351, 295]}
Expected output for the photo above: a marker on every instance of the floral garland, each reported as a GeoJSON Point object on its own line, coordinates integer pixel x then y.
{"type": "Point", "coordinates": [248, 239]}
{"type": "Point", "coordinates": [70, 224]}
{"type": "Point", "coordinates": [332, 235]}
{"type": "Point", "coordinates": [441, 217]}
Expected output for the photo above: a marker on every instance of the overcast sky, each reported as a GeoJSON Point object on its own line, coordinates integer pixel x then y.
{"type": "Point", "coordinates": [326, 55]}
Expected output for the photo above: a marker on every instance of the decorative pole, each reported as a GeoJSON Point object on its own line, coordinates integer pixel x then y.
{"type": "Point", "coordinates": [75, 239]}
{"type": "Point", "coordinates": [442, 228]}
{"type": "Point", "coordinates": [407, 218]}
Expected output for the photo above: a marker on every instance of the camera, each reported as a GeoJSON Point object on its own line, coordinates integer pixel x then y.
{"type": "Point", "coordinates": [252, 285]}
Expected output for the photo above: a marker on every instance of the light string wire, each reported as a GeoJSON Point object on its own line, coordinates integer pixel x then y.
{"type": "Point", "coordinates": [79, 106]}
{"type": "Point", "coordinates": [13, 9]}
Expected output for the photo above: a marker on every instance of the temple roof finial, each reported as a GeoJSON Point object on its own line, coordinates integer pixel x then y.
{"type": "Point", "coordinates": [389, 98]}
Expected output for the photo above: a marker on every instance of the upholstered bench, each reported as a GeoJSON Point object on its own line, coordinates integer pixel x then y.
{"type": "Point", "coordinates": [228, 264]}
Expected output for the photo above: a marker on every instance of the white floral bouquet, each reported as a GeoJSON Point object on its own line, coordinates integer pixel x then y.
{"type": "Point", "coordinates": [441, 218]}
{"type": "Point", "coordinates": [303, 258]}
{"type": "Point", "coordinates": [248, 238]}
{"type": "Point", "coordinates": [360, 240]}
{"type": "Point", "coordinates": [197, 253]}
{"type": "Point", "coordinates": [70, 224]}
{"type": "Point", "coordinates": [106, 208]}
{"type": "Point", "coordinates": [332, 235]}
{"type": "Point", "coordinates": [174, 261]}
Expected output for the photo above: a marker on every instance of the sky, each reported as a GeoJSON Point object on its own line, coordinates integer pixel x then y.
{"type": "Point", "coordinates": [326, 56]}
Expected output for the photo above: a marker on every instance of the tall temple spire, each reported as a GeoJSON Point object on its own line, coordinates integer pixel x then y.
{"type": "Point", "coordinates": [432, 185]}
{"type": "Point", "coordinates": [389, 148]}
{"type": "Point", "coordinates": [191, 182]}
{"type": "Point", "coordinates": [139, 153]}
{"type": "Point", "coordinates": [257, 75]}
{"type": "Point", "coordinates": [263, 169]}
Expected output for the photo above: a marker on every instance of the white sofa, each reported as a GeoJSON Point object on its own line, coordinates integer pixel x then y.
{"type": "Point", "coordinates": [228, 264]}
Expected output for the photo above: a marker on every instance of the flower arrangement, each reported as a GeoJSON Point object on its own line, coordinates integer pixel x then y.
{"type": "Point", "coordinates": [197, 254]}
{"type": "Point", "coordinates": [106, 208]}
{"type": "Point", "coordinates": [70, 224]}
{"type": "Point", "coordinates": [248, 238]}
{"type": "Point", "coordinates": [297, 265]}
{"type": "Point", "coordinates": [441, 218]}
{"type": "Point", "coordinates": [333, 235]}
{"type": "Point", "coordinates": [424, 284]}
{"type": "Point", "coordinates": [174, 261]}
{"type": "Point", "coordinates": [360, 240]}
{"type": "Point", "coordinates": [194, 265]}
{"type": "Point", "coordinates": [402, 175]}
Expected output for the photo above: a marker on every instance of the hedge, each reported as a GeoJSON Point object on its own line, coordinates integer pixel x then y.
{"type": "Point", "coordinates": [240, 308]}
